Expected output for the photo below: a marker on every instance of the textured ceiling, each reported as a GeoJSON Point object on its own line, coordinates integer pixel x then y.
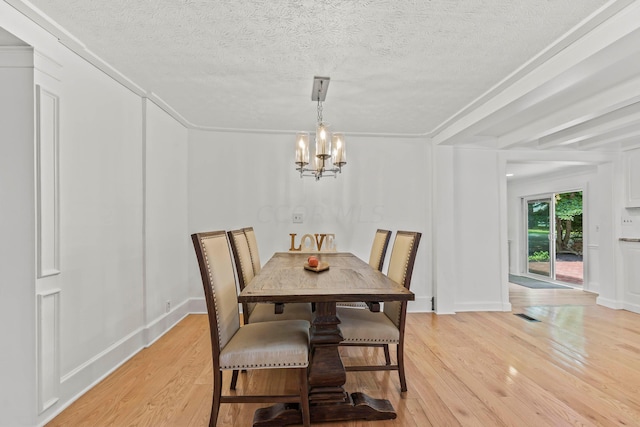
{"type": "Point", "coordinates": [396, 67]}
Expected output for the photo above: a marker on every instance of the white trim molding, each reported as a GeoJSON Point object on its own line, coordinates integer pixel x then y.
{"type": "Point", "coordinates": [420, 305]}
{"type": "Point", "coordinates": [592, 270]}
{"type": "Point", "coordinates": [48, 349]}
{"type": "Point", "coordinates": [47, 182]}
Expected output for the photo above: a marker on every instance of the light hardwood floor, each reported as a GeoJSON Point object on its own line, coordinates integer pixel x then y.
{"type": "Point", "coordinates": [580, 365]}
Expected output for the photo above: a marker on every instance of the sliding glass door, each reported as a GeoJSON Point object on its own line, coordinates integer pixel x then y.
{"type": "Point", "coordinates": [540, 236]}
{"type": "Point", "coordinates": [568, 266]}
{"type": "Point", "coordinates": [554, 237]}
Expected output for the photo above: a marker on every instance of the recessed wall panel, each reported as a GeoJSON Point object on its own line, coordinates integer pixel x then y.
{"type": "Point", "coordinates": [47, 125]}
{"type": "Point", "coordinates": [48, 349]}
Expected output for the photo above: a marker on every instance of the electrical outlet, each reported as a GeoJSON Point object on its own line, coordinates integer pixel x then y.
{"type": "Point", "coordinates": [627, 220]}
{"type": "Point", "coordinates": [167, 307]}
{"type": "Point", "coordinates": [298, 218]}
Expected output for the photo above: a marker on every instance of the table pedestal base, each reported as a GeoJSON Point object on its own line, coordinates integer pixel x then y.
{"type": "Point", "coordinates": [328, 401]}
{"type": "Point", "coordinates": [358, 407]}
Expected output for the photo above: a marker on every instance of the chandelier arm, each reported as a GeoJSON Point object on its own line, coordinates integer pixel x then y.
{"type": "Point", "coordinates": [313, 172]}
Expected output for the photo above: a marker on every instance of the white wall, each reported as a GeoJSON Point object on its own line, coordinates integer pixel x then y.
{"type": "Point", "coordinates": [444, 230]}
{"type": "Point", "coordinates": [110, 145]}
{"type": "Point", "coordinates": [101, 215]}
{"type": "Point", "coordinates": [477, 237]}
{"type": "Point", "coordinates": [631, 161]}
{"type": "Point", "coordinates": [167, 242]}
{"type": "Point", "coordinates": [239, 180]}
{"type": "Point", "coordinates": [17, 240]}
{"type": "Point", "coordinates": [603, 274]}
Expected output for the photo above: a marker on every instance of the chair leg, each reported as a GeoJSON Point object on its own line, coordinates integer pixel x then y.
{"type": "Point", "coordinates": [234, 379]}
{"type": "Point", "coordinates": [403, 381]}
{"type": "Point", "coordinates": [304, 397]}
{"type": "Point", "coordinates": [387, 356]}
{"type": "Point", "coordinates": [217, 394]}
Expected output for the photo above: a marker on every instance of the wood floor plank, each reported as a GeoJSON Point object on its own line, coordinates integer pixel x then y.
{"type": "Point", "coordinates": [580, 365]}
{"type": "Point", "coordinates": [564, 375]}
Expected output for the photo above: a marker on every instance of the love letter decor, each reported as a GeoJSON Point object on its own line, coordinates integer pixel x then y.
{"type": "Point", "coordinates": [324, 242]}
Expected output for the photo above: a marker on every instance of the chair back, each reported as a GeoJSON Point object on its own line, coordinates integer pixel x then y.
{"type": "Point", "coordinates": [244, 268]}
{"type": "Point", "coordinates": [253, 249]}
{"type": "Point", "coordinates": [403, 256]}
{"type": "Point", "coordinates": [379, 248]}
{"type": "Point", "coordinates": [218, 279]}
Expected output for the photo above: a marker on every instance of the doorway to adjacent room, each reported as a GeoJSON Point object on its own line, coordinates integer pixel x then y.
{"type": "Point", "coordinates": [554, 236]}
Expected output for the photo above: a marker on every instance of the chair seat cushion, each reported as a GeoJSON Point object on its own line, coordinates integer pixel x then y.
{"type": "Point", "coordinates": [363, 326]}
{"type": "Point", "coordinates": [293, 311]}
{"type": "Point", "coordinates": [280, 344]}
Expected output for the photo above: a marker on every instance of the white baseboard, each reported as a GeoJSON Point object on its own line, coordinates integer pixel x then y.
{"type": "Point", "coordinates": [632, 307]}
{"type": "Point", "coordinates": [80, 380]}
{"type": "Point", "coordinates": [483, 306]}
{"type": "Point", "coordinates": [164, 323]}
{"type": "Point", "coordinates": [77, 382]}
{"type": "Point", "coordinates": [609, 303]}
{"type": "Point", "coordinates": [618, 305]}
{"type": "Point", "coordinates": [420, 305]}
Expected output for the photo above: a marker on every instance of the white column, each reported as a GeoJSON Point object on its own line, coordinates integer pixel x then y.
{"type": "Point", "coordinates": [18, 242]}
{"type": "Point", "coordinates": [444, 230]}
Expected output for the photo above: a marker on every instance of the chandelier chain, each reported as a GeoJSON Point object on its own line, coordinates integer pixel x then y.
{"type": "Point", "coordinates": [319, 111]}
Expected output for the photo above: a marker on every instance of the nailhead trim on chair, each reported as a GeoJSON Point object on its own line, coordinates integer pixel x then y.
{"type": "Point", "coordinates": [380, 253]}
{"type": "Point", "coordinates": [251, 253]}
{"type": "Point", "coordinates": [243, 266]}
{"type": "Point", "coordinates": [404, 275]}
{"type": "Point", "coordinates": [269, 365]}
{"type": "Point", "coordinates": [215, 300]}
{"type": "Point", "coordinates": [235, 237]}
{"type": "Point", "coordinates": [406, 262]}
{"type": "Point", "coordinates": [349, 340]}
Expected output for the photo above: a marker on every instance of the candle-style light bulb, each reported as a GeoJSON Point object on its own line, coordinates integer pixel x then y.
{"type": "Point", "coordinates": [339, 153]}
{"type": "Point", "coordinates": [323, 141]}
{"type": "Point", "coordinates": [302, 149]}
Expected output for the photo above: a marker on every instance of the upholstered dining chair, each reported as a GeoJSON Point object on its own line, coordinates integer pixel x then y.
{"type": "Point", "coordinates": [250, 234]}
{"type": "Point", "coordinates": [253, 313]}
{"type": "Point", "coordinates": [379, 248]}
{"type": "Point", "coordinates": [363, 328]}
{"type": "Point", "coordinates": [376, 260]}
{"type": "Point", "coordinates": [266, 345]}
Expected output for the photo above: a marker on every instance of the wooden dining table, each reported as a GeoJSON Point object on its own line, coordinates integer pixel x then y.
{"type": "Point", "coordinates": [283, 279]}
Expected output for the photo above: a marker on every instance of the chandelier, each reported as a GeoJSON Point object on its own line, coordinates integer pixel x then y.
{"type": "Point", "coordinates": [330, 154]}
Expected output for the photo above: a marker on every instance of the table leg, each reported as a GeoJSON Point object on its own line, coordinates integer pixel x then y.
{"type": "Point", "coordinates": [326, 371]}
{"type": "Point", "coordinates": [327, 398]}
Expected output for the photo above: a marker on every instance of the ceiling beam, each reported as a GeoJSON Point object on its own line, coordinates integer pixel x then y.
{"type": "Point", "coordinates": [599, 104]}
{"type": "Point", "coordinates": [612, 40]}
{"type": "Point", "coordinates": [630, 145]}
{"type": "Point", "coordinates": [620, 137]}
{"type": "Point", "coordinates": [600, 125]}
